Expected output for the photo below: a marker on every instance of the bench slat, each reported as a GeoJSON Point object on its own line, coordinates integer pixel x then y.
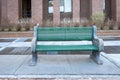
{"type": "Point", "coordinates": [66, 47]}
{"type": "Point", "coordinates": [64, 33]}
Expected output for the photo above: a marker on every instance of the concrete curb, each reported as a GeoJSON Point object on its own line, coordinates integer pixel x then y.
{"type": "Point", "coordinates": [62, 76]}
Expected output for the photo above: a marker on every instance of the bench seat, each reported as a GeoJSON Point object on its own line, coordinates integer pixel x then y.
{"type": "Point", "coordinates": [66, 48]}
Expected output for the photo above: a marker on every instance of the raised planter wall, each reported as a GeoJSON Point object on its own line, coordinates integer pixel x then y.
{"type": "Point", "coordinates": [30, 33]}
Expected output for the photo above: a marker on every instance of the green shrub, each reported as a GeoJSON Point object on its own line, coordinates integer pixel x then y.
{"type": "Point", "coordinates": [98, 19]}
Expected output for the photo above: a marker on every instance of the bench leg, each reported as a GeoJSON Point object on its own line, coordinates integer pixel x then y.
{"type": "Point", "coordinates": [96, 57]}
{"type": "Point", "coordinates": [34, 59]}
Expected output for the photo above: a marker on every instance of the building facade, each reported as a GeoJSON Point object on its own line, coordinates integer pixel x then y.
{"type": "Point", "coordinates": [39, 11]}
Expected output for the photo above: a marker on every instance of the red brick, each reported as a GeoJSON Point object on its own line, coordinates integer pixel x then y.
{"type": "Point", "coordinates": [45, 10]}
{"type": "Point", "coordinates": [30, 33]}
{"type": "Point", "coordinates": [76, 10]}
{"type": "Point", "coordinates": [12, 11]}
{"type": "Point", "coordinates": [3, 12]}
{"type": "Point", "coordinates": [56, 12]}
{"type": "Point", "coordinates": [3, 79]}
{"type": "Point", "coordinates": [0, 11]}
{"type": "Point", "coordinates": [118, 10]}
{"type": "Point", "coordinates": [96, 6]}
{"type": "Point", "coordinates": [85, 9]}
{"type": "Point", "coordinates": [108, 9]}
{"type": "Point", "coordinates": [37, 11]}
{"type": "Point", "coordinates": [9, 10]}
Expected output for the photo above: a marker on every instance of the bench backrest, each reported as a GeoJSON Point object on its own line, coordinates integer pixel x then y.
{"type": "Point", "coordinates": [64, 33]}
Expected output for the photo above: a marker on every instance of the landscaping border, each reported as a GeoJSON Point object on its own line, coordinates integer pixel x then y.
{"type": "Point", "coordinates": [30, 33]}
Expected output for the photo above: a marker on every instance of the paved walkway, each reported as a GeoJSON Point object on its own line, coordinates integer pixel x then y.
{"type": "Point", "coordinates": [18, 65]}
{"type": "Point", "coordinates": [51, 66]}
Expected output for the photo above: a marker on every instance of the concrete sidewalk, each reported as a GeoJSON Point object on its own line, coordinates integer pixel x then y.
{"type": "Point", "coordinates": [17, 66]}
{"type": "Point", "coordinates": [16, 56]}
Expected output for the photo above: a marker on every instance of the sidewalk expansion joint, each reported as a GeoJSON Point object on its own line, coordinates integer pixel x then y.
{"type": "Point", "coordinates": [110, 59]}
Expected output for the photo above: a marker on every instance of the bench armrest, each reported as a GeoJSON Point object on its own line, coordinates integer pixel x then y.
{"type": "Point", "coordinates": [33, 44]}
{"type": "Point", "coordinates": [99, 43]}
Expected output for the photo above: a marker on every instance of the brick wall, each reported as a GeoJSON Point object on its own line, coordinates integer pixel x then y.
{"type": "Point", "coordinates": [96, 6]}
{"type": "Point", "coordinates": [0, 12]}
{"type": "Point", "coordinates": [9, 11]}
{"type": "Point", "coordinates": [56, 12]}
{"type": "Point", "coordinates": [37, 11]}
{"type": "Point", "coordinates": [113, 9]}
{"type": "Point", "coordinates": [3, 11]}
{"type": "Point", "coordinates": [45, 10]}
{"type": "Point", "coordinates": [118, 10]}
{"type": "Point", "coordinates": [30, 33]}
{"type": "Point", "coordinates": [76, 10]}
{"type": "Point", "coordinates": [108, 9]}
{"type": "Point", "coordinates": [80, 9]}
{"type": "Point", "coordinates": [85, 9]}
{"type": "Point", "coordinates": [12, 11]}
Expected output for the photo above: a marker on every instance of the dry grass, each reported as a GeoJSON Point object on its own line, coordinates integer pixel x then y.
{"type": "Point", "coordinates": [97, 19]}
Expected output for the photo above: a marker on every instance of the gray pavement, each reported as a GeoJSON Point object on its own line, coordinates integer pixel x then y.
{"type": "Point", "coordinates": [55, 65]}
{"type": "Point", "coordinates": [74, 65]}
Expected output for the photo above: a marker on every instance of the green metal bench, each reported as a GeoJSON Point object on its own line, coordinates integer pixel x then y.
{"type": "Point", "coordinates": [67, 34]}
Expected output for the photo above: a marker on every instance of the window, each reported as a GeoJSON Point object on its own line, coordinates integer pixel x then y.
{"type": "Point", "coordinates": [50, 6]}
{"type": "Point", "coordinates": [68, 5]}
{"type": "Point", "coordinates": [65, 6]}
{"type": "Point", "coordinates": [61, 5]}
{"type": "Point", "coordinates": [25, 9]}
{"type": "Point", "coordinates": [103, 5]}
